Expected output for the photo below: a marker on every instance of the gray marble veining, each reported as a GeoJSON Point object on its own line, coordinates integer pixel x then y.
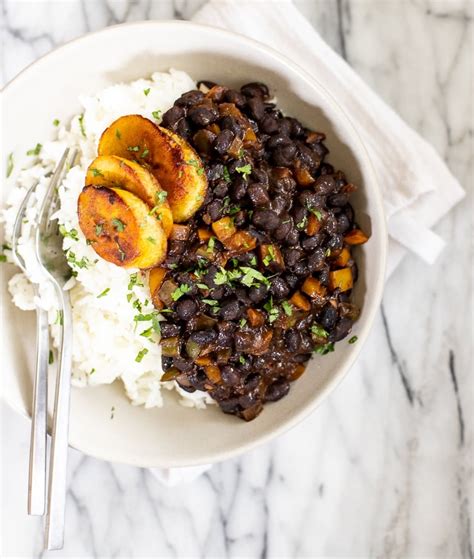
{"type": "Point", "coordinates": [384, 467]}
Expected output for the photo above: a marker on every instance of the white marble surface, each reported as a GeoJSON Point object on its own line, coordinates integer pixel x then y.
{"type": "Point", "coordinates": [384, 467]}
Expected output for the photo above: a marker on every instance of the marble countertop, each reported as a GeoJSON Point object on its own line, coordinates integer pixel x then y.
{"type": "Point", "coordinates": [384, 467]}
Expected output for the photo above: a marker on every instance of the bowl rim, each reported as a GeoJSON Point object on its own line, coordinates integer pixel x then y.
{"type": "Point", "coordinates": [376, 295]}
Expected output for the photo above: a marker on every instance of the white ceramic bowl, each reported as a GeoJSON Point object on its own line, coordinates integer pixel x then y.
{"type": "Point", "coordinates": [49, 88]}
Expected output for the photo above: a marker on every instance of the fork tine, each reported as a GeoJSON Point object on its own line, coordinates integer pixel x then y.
{"type": "Point", "coordinates": [17, 227]}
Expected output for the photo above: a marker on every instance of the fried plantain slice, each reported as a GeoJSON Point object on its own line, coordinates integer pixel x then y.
{"type": "Point", "coordinates": [120, 229]}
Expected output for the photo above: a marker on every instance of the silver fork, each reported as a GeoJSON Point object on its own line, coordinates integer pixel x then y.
{"type": "Point", "coordinates": [53, 262]}
{"type": "Point", "coordinates": [39, 412]}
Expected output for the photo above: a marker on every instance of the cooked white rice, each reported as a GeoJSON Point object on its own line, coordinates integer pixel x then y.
{"type": "Point", "coordinates": [107, 340]}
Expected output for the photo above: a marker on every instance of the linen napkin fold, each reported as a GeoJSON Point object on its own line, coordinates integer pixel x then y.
{"type": "Point", "coordinates": [417, 191]}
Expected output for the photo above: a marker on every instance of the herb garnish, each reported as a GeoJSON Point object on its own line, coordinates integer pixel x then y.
{"type": "Point", "coordinates": [156, 114]}
{"type": "Point", "coordinates": [324, 349]}
{"type": "Point", "coordinates": [98, 229]}
{"type": "Point", "coordinates": [353, 340]}
{"type": "Point", "coordinates": [226, 174]}
{"type": "Point", "coordinates": [104, 293]}
{"type": "Point", "coordinates": [133, 148]}
{"type": "Point", "coordinates": [288, 309]}
{"type": "Point", "coordinates": [51, 357]}
{"type": "Point", "coordinates": [81, 125]}
{"type": "Point", "coordinates": [36, 150]}
{"type": "Point", "coordinates": [97, 172]}
{"type": "Point", "coordinates": [319, 331]}
{"type": "Point", "coordinates": [10, 164]}
{"type": "Point", "coordinates": [56, 122]}
{"type": "Point", "coordinates": [141, 354]}
{"type": "Point", "coordinates": [118, 225]}
{"type": "Point", "coordinates": [245, 170]}
{"type": "Point", "coordinates": [146, 91]}
{"type": "Point", "coordinates": [273, 312]}
{"type": "Point", "coordinates": [180, 291]}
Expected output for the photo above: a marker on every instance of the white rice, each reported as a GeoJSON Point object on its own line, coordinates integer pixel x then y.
{"type": "Point", "coordinates": [107, 341]}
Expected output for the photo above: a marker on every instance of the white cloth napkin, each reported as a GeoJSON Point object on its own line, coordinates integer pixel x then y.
{"type": "Point", "coordinates": [417, 191]}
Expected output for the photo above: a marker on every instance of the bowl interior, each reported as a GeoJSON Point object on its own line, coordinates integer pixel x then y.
{"type": "Point", "coordinates": [174, 435]}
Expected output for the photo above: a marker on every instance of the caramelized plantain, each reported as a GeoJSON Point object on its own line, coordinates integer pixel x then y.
{"type": "Point", "coordinates": [168, 157]}
{"type": "Point", "coordinates": [117, 172]}
{"type": "Point", "coordinates": [119, 227]}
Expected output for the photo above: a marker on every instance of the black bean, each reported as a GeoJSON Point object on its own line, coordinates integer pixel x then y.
{"type": "Point", "coordinates": [217, 293]}
{"type": "Point", "coordinates": [338, 200]}
{"type": "Point", "coordinates": [297, 128]}
{"type": "Point", "coordinates": [328, 317]}
{"type": "Point", "coordinates": [203, 337]}
{"type": "Point", "coordinates": [166, 362]}
{"type": "Point", "coordinates": [225, 338]}
{"type": "Point", "coordinates": [342, 223]}
{"type": "Point", "coordinates": [343, 327]}
{"type": "Point", "coordinates": [171, 117]}
{"type": "Point", "coordinates": [183, 128]}
{"type": "Point", "coordinates": [267, 220]}
{"type": "Point", "coordinates": [252, 381]}
{"type": "Point", "coordinates": [326, 169]}
{"type": "Point", "coordinates": [316, 260]}
{"type": "Point", "coordinates": [291, 280]}
{"type": "Point", "coordinates": [310, 199]}
{"type": "Point", "coordinates": [301, 269]}
{"type": "Point", "coordinates": [279, 140]}
{"type": "Point", "coordinates": [239, 218]}
{"type": "Point", "coordinates": [230, 310]}
{"type": "Point", "coordinates": [184, 365]}
{"type": "Point", "coordinates": [269, 124]}
{"type": "Point", "coordinates": [242, 296]}
{"type": "Point", "coordinates": [210, 276]}
{"type": "Point", "coordinates": [282, 231]}
{"type": "Point", "coordinates": [278, 288]}
{"type": "Point", "coordinates": [169, 330]}
{"type": "Point", "coordinates": [230, 405]}
{"type": "Point", "coordinates": [230, 123]}
{"type": "Point", "coordinates": [300, 217]}
{"type": "Point", "coordinates": [292, 238]}
{"type": "Point", "coordinates": [230, 375]}
{"type": "Point", "coordinates": [214, 209]}
{"type": "Point", "coordinates": [285, 126]}
{"type": "Point", "coordinates": [186, 308]}
{"type": "Point", "coordinates": [279, 204]}
{"type": "Point", "coordinates": [330, 224]}
{"type": "Point", "coordinates": [258, 194]}
{"type": "Point", "coordinates": [258, 293]}
{"type": "Point", "coordinates": [255, 89]}
{"type": "Point", "coordinates": [215, 171]}
{"type": "Point", "coordinates": [190, 98]}
{"type": "Point", "coordinates": [310, 243]}
{"type": "Point", "coordinates": [276, 391]}
{"type": "Point", "coordinates": [292, 255]}
{"type": "Point", "coordinates": [349, 211]}
{"type": "Point", "coordinates": [232, 96]}
{"type": "Point", "coordinates": [238, 188]}
{"type": "Point", "coordinates": [323, 275]}
{"type": "Point", "coordinates": [223, 141]}
{"type": "Point", "coordinates": [292, 340]}
{"type": "Point", "coordinates": [221, 188]}
{"type": "Point", "coordinates": [284, 156]}
{"type": "Point", "coordinates": [301, 357]}
{"type": "Point", "coordinates": [257, 108]}
{"type": "Point", "coordinates": [284, 186]}
{"type": "Point", "coordinates": [325, 184]}
{"type": "Point", "coordinates": [202, 116]}
{"type": "Point", "coordinates": [176, 247]}
{"type": "Point", "coordinates": [335, 242]}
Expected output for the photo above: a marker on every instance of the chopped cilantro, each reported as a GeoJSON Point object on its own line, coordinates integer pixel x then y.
{"type": "Point", "coordinates": [253, 261]}
{"type": "Point", "coordinates": [146, 91]}
{"type": "Point", "coordinates": [51, 357]}
{"type": "Point", "coordinates": [81, 125]}
{"type": "Point", "coordinates": [147, 333]}
{"type": "Point", "coordinates": [151, 240]}
{"type": "Point", "coordinates": [353, 340]}
{"type": "Point", "coordinates": [10, 164]}
{"type": "Point", "coordinates": [156, 114]}
{"type": "Point", "coordinates": [97, 172]}
{"type": "Point", "coordinates": [98, 229]}
{"type": "Point", "coordinates": [146, 151]}
{"type": "Point", "coordinates": [302, 224]}
{"type": "Point", "coordinates": [286, 306]}
{"type": "Point", "coordinates": [118, 225]}
{"type": "Point", "coordinates": [133, 148]}
{"type": "Point", "coordinates": [317, 213]}
{"type": "Point", "coordinates": [273, 312]}
{"type": "Point", "coordinates": [327, 252]}
{"type": "Point", "coordinates": [180, 291]}
{"type": "Point", "coordinates": [211, 244]}
{"type": "Point", "coordinates": [324, 349]}
{"type": "Point", "coordinates": [72, 259]}
{"type": "Point", "coordinates": [319, 331]}
{"type": "Point", "coordinates": [112, 409]}
{"type": "Point", "coordinates": [35, 151]}
{"type": "Point", "coordinates": [3, 258]}
{"type": "Point", "coordinates": [129, 297]}
{"type": "Point", "coordinates": [56, 122]}
{"type": "Point", "coordinates": [242, 360]}
{"type": "Point", "coordinates": [210, 302]}
{"type": "Point", "coordinates": [59, 318]}
{"type": "Point", "coordinates": [72, 234]}
{"type": "Point", "coordinates": [118, 134]}
{"type": "Point", "coordinates": [243, 322]}
{"type": "Point", "coordinates": [252, 277]}
{"type": "Point", "coordinates": [104, 293]}
{"type": "Point", "coordinates": [202, 286]}
{"type": "Point", "coordinates": [245, 170]}
{"type": "Point", "coordinates": [92, 371]}
{"type": "Point", "coordinates": [271, 256]}
{"type": "Point", "coordinates": [226, 174]}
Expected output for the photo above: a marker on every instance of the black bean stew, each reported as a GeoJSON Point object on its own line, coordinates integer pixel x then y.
{"type": "Point", "coordinates": [261, 277]}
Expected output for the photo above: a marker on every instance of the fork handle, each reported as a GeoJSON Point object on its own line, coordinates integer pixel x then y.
{"type": "Point", "coordinates": [39, 419]}
{"type": "Point", "coordinates": [54, 529]}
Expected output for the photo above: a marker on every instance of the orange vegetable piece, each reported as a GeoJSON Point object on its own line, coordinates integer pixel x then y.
{"type": "Point", "coordinates": [356, 237]}
{"type": "Point", "coordinates": [297, 372]}
{"type": "Point", "coordinates": [155, 281]}
{"type": "Point", "coordinates": [313, 225]}
{"type": "Point", "coordinates": [271, 256]}
{"type": "Point", "coordinates": [203, 361]}
{"type": "Point", "coordinates": [300, 301]}
{"type": "Point", "coordinates": [303, 176]}
{"type": "Point", "coordinates": [224, 228]}
{"type": "Point", "coordinates": [343, 257]}
{"type": "Point", "coordinates": [341, 279]}
{"type": "Point", "coordinates": [204, 234]}
{"type": "Point", "coordinates": [180, 232]}
{"type": "Point", "coordinates": [213, 373]}
{"type": "Point", "coordinates": [256, 318]}
{"type": "Point", "coordinates": [313, 288]}
{"type": "Point", "coordinates": [242, 241]}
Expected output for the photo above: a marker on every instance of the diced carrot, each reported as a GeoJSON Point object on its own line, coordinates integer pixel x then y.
{"type": "Point", "coordinates": [298, 371]}
{"type": "Point", "coordinates": [341, 279]}
{"type": "Point", "coordinates": [214, 128]}
{"type": "Point", "coordinates": [343, 257]}
{"type": "Point", "coordinates": [235, 147]}
{"type": "Point", "coordinates": [249, 136]}
{"type": "Point", "coordinates": [203, 361]}
{"type": "Point", "coordinates": [313, 226]}
{"type": "Point", "coordinates": [180, 232]}
{"type": "Point", "coordinates": [224, 228]}
{"type": "Point", "coordinates": [241, 242]}
{"type": "Point", "coordinates": [300, 301]}
{"type": "Point", "coordinates": [256, 318]}
{"type": "Point", "coordinates": [356, 237]}
{"type": "Point", "coordinates": [271, 257]}
{"type": "Point", "coordinates": [155, 280]}
{"type": "Point", "coordinates": [213, 373]}
{"type": "Point", "coordinates": [313, 288]}
{"type": "Point", "coordinates": [216, 93]}
{"type": "Point", "coordinates": [229, 109]}
{"type": "Point", "coordinates": [302, 175]}
{"type": "Point", "coordinates": [204, 234]}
